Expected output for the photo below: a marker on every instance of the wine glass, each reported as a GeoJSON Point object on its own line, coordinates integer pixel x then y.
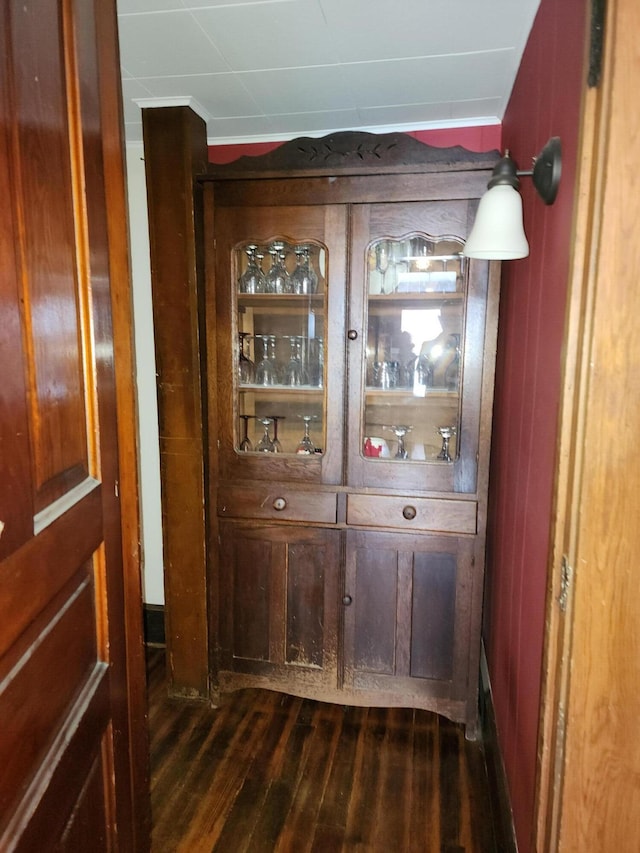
{"type": "Point", "coordinates": [382, 261]}
{"type": "Point", "coordinates": [246, 368]}
{"type": "Point", "coordinates": [294, 373]}
{"type": "Point", "coordinates": [278, 279]}
{"type": "Point", "coordinates": [306, 447]}
{"type": "Point", "coordinates": [447, 433]}
{"type": "Point", "coordinates": [265, 445]}
{"type": "Point", "coordinates": [303, 279]}
{"type": "Point", "coordinates": [245, 444]}
{"type": "Point", "coordinates": [265, 370]}
{"type": "Point", "coordinates": [277, 447]}
{"type": "Point", "coordinates": [252, 279]}
{"type": "Point", "coordinates": [400, 431]}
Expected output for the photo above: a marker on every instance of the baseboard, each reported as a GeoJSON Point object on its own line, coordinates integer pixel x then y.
{"type": "Point", "coordinates": [154, 625]}
{"type": "Point", "coordinates": [502, 815]}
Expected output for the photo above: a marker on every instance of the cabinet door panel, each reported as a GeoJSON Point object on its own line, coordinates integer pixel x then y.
{"type": "Point", "coordinates": [407, 627]}
{"type": "Point", "coordinates": [416, 363]}
{"type": "Point", "coordinates": [279, 329]}
{"type": "Point", "coordinates": [281, 586]}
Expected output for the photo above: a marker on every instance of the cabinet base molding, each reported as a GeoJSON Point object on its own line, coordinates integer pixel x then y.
{"type": "Point", "coordinates": [453, 710]}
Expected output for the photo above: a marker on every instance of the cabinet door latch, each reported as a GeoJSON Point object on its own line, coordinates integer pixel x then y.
{"type": "Point", "coordinates": [566, 580]}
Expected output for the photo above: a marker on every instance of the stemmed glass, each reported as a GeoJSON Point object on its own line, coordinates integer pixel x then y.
{"type": "Point", "coordinates": [252, 279]}
{"type": "Point", "coordinates": [265, 371]}
{"type": "Point", "coordinates": [400, 432]}
{"type": "Point", "coordinates": [447, 433]}
{"type": "Point", "coordinates": [245, 444]}
{"type": "Point", "coordinates": [278, 279]}
{"type": "Point", "coordinates": [306, 447]}
{"type": "Point", "coordinates": [265, 445]}
{"type": "Point", "coordinates": [277, 447]}
{"type": "Point", "coordinates": [246, 368]}
{"type": "Point", "coordinates": [316, 362]}
{"type": "Point", "coordinates": [382, 261]}
{"type": "Point", "coordinates": [303, 279]}
{"type": "Point", "coordinates": [294, 373]}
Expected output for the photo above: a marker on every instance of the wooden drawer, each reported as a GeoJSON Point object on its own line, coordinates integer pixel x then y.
{"type": "Point", "coordinates": [407, 513]}
{"type": "Point", "coordinates": [274, 503]}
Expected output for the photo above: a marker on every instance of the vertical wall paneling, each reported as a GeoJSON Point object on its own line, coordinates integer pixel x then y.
{"type": "Point", "coordinates": [545, 102]}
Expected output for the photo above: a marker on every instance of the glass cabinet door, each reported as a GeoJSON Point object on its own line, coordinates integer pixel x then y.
{"type": "Point", "coordinates": [415, 321]}
{"type": "Point", "coordinates": [280, 367]}
{"type": "Point", "coordinates": [280, 278]}
{"type": "Point", "coordinates": [415, 365]}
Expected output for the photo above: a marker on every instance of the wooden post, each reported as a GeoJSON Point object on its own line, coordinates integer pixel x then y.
{"type": "Point", "coordinates": [175, 147]}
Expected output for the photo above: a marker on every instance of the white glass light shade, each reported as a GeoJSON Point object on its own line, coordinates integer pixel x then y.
{"type": "Point", "coordinates": [498, 232]}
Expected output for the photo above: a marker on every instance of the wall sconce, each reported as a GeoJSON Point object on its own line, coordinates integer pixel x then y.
{"type": "Point", "coordinates": [498, 232]}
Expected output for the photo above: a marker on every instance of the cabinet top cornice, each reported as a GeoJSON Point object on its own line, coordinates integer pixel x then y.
{"type": "Point", "coordinates": [353, 153]}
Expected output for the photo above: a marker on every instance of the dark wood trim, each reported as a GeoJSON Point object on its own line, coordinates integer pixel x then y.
{"type": "Point", "coordinates": [354, 153]}
{"type": "Point", "coordinates": [501, 813]}
{"type": "Point", "coordinates": [175, 150]}
{"type": "Point", "coordinates": [154, 625]}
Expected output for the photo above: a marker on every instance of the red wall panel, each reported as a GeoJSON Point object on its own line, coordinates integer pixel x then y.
{"type": "Point", "coordinates": [545, 102]}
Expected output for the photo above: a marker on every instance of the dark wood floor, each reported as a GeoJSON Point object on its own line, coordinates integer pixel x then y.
{"type": "Point", "coordinates": [270, 772]}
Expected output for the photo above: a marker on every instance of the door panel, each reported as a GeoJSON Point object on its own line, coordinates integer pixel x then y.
{"type": "Point", "coordinates": [65, 744]}
{"type": "Point", "coordinates": [406, 621]}
{"type": "Point", "coordinates": [281, 583]}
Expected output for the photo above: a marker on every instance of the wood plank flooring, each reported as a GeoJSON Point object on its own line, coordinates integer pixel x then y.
{"type": "Point", "coordinates": [270, 772]}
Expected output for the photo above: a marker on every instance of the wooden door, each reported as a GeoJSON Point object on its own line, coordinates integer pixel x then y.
{"type": "Point", "coordinates": [589, 748]}
{"type": "Point", "coordinates": [408, 600]}
{"type": "Point", "coordinates": [279, 585]}
{"type": "Point", "coordinates": [70, 749]}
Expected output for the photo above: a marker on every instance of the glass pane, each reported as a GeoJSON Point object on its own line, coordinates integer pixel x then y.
{"type": "Point", "coordinates": [281, 321]}
{"type": "Point", "coordinates": [416, 311]}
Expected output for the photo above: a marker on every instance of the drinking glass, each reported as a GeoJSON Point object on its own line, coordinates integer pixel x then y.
{"type": "Point", "coordinates": [265, 445]}
{"type": "Point", "coordinates": [246, 368]}
{"type": "Point", "coordinates": [252, 279]}
{"type": "Point", "coordinates": [400, 431]}
{"type": "Point", "coordinates": [278, 279]}
{"type": "Point", "coordinates": [306, 447]}
{"type": "Point", "coordinates": [304, 279]}
{"type": "Point", "coordinates": [277, 447]}
{"type": "Point", "coordinates": [447, 433]}
{"type": "Point", "coordinates": [265, 370]}
{"type": "Point", "coordinates": [245, 444]}
{"type": "Point", "coordinates": [294, 373]}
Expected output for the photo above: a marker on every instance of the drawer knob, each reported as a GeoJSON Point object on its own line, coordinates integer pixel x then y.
{"type": "Point", "coordinates": [352, 334]}
{"type": "Point", "coordinates": [409, 512]}
{"type": "Point", "coordinates": [346, 600]}
{"type": "Point", "coordinates": [279, 504]}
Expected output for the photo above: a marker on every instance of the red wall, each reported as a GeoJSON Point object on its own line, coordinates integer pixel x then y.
{"type": "Point", "coordinates": [545, 102]}
{"type": "Point", "coordinates": [481, 138]}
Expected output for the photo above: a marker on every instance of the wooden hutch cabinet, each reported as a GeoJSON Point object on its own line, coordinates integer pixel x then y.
{"type": "Point", "coordinates": [350, 352]}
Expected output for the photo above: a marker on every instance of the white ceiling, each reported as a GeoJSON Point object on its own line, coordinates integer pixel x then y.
{"type": "Point", "coordinates": [260, 70]}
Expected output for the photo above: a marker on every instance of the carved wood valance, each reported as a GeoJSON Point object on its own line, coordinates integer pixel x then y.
{"type": "Point", "coordinates": [354, 153]}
